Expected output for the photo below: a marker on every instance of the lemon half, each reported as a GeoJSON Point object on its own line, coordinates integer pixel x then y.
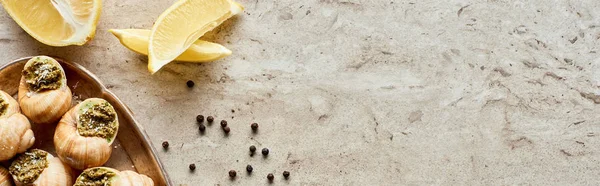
{"type": "Point", "coordinates": [182, 24]}
{"type": "Point", "coordinates": [201, 51]}
{"type": "Point", "coordinates": [56, 22]}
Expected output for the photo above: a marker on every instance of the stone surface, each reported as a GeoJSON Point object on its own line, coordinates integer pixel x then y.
{"type": "Point", "coordinates": [360, 92]}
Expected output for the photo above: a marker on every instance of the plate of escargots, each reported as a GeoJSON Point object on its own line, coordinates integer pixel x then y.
{"type": "Point", "coordinates": [60, 126]}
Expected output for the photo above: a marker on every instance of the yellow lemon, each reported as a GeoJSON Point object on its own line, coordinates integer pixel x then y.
{"type": "Point", "coordinates": [180, 26]}
{"type": "Point", "coordinates": [56, 22]}
{"type": "Point", "coordinates": [200, 51]}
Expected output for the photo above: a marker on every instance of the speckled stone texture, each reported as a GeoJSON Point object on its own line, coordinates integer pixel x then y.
{"type": "Point", "coordinates": [366, 92]}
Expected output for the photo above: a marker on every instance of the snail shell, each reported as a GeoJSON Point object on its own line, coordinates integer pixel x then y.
{"type": "Point", "coordinates": [82, 147]}
{"type": "Point", "coordinates": [12, 107]}
{"type": "Point", "coordinates": [5, 177]}
{"type": "Point", "coordinates": [56, 173]}
{"type": "Point", "coordinates": [134, 179]}
{"type": "Point", "coordinates": [112, 177]}
{"type": "Point", "coordinates": [43, 92]}
{"type": "Point", "coordinates": [16, 135]}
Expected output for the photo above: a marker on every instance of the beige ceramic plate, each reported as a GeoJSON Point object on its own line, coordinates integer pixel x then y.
{"type": "Point", "coordinates": [133, 149]}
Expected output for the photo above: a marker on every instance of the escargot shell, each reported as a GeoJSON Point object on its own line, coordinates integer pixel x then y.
{"type": "Point", "coordinates": [40, 168]}
{"type": "Point", "coordinates": [43, 92]}
{"type": "Point", "coordinates": [5, 179]}
{"type": "Point", "coordinates": [83, 136]}
{"type": "Point", "coordinates": [111, 177]}
{"type": "Point", "coordinates": [16, 135]}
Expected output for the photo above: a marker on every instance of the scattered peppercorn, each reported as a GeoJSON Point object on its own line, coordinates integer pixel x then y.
{"type": "Point", "coordinates": [232, 173]}
{"type": "Point", "coordinates": [223, 123]}
{"type": "Point", "coordinates": [165, 144]}
{"type": "Point", "coordinates": [226, 130]}
{"type": "Point", "coordinates": [254, 126]}
{"type": "Point", "coordinates": [199, 118]}
{"type": "Point", "coordinates": [249, 168]}
{"type": "Point", "coordinates": [210, 119]}
{"type": "Point", "coordinates": [270, 177]}
{"type": "Point", "coordinates": [252, 149]}
{"type": "Point", "coordinates": [202, 128]}
{"type": "Point", "coordinates": [192, 167]}
{"type": "Point", "coordinates": [286, 174]}
{"type": "Point", "coordinates": [265, 151]}
{"type": "Point", "coordinates": [190, 83]}
{"type": "Point", "coordinates": [232, 111]}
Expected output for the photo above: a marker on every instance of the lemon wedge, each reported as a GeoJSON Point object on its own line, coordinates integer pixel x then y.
{"type": "Point", "coordinates": [182, 24]}
{"type": "Point", "coordinates": [201, 51]}
{"type": "Point", "coordinates": [56, 22]}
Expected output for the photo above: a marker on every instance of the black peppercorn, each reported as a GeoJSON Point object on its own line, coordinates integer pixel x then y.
{"type": "Point", "coordinates": [223, 123]}
{"type": "Point", "coordinates": [249, 168]}
{"type": "Point", "coordinates": [265, 151]}
{"type": "Point", "coordinates": [210, 119]}
{"type": "Point", "coordinates": [286, 174]}
{"type": "Point", "coordinates": [202, 128]}
{"type": "Point", "coordinates": [232, 173]}
{"type": "Point", "coordinates": [254, 126]}
{"type": "Point", "coordinates": [199, 118]}
{"type": "Point", "coordinates": [192, 167]}
{"type": "Point", "coordinates": [270, 177]}
{"type": "Point", "coordinates": [165, 144]}
{"type": "Point", "coordinates": [252, 149]}
{"type": "Point", "coordinates": [226, 130]}
{"type": "Point", "coordinates": [190, 83]}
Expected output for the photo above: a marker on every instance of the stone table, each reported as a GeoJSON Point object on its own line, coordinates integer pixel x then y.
{"type": "Point", "coordinates": [367, 92]}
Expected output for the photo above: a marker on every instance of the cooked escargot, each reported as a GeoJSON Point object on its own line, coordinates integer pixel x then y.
{"type": "Point", "coordinates": [4, 177]}
{"type": "Point", "coordinates": [84, 134]}
{"type": "Point", "coordinates": [40, 168]}
{"type": "Point", "coordinates": [16, 135]}
{"type": "Point", "coordinates": [43, 92]}
{"type": "Point", "coordinates": [110, 177]}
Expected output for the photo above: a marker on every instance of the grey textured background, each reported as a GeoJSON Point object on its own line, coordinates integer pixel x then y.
{"type": "Point", "coordinates": [357, 92]}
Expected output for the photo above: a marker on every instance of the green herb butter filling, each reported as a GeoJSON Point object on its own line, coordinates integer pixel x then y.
{"type": "Point", "coordinates": [41, 75]}
{"type": "Point", "coordinates": [29, 165]}
{"type": "Point", "coordinates": [97, 120]}
{"type": "Point", "coordinates": [3, 106]}
{"type": "Point", "coordinates": [95, 177]}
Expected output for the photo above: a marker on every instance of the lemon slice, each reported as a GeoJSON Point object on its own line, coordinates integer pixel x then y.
{"type": "Point", "coordinates": [182, 24]}
{"type": "Point", "coordinates": [201, 51]}
{"type": "Point", "coordinates": [56, 22]}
